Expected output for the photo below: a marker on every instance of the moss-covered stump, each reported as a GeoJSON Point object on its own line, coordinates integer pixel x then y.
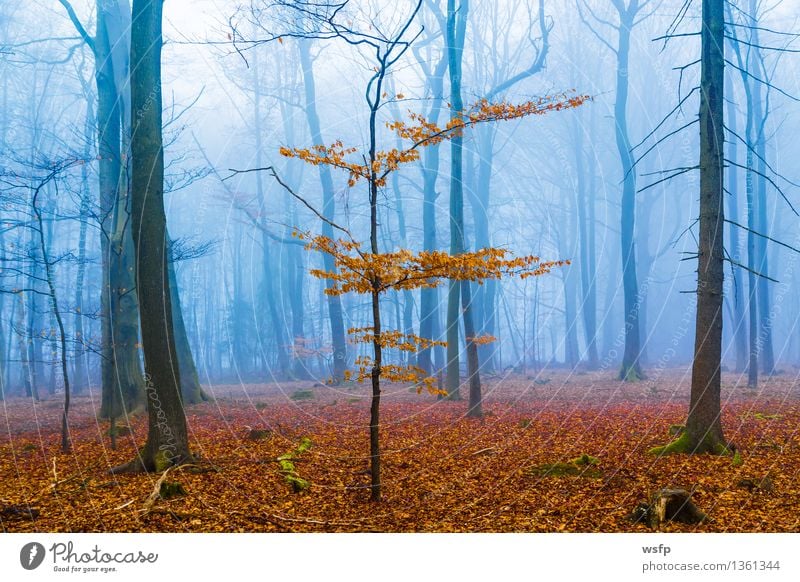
{"type": "Point", "coordinates": [257, 434]}
{"type": "Point", "coordinates": [302, 395]}
{"type": "Point", "coordinates": [757, 485]}
{"type": "Point", "coordinates": [170, 489]}
{"type": "Point", "coordinates": [582, 466]}
{"type": "Point", "coordinates": [668, 505]}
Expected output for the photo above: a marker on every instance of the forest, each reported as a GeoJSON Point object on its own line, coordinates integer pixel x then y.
{"type": "Point", "coordinates": [408, 266]}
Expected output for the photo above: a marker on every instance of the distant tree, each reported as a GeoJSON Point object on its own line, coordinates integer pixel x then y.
{"type": "Point", "coordinates": [629, 14]}
{"type": "Point", "coordinates": [335, 316]}
{"type": "Point", "coordinates": [37, 262]}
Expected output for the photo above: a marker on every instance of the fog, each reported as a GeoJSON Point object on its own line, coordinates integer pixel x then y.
{"type": "Point", "coordinates": [547, 185]}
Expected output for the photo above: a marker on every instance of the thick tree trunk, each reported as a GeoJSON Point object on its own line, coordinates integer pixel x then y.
{"type": "Point", "coordinates": [703, 426]}
{"type": "Point", "coordinates": [122, 380]}
{"type": "Point", "coordinates": [125, 394]}
{"type": "Point", "coordinates": [167, 438]}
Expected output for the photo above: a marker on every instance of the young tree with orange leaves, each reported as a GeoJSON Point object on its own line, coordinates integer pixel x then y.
{"type": "Point", "coordinates": [372, 272]}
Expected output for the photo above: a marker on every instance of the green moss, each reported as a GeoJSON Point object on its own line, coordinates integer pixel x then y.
{"type": "Point", "coordinates": [737, 459]}
{"type": "Point", "coordinates": [585, 460]}
{"type": "Point", "coordinates": [298, 484]}
{"type": "Point", "coordinates": [170, 489]}
{"type": "Point", "coordinates": [305, 444]}
{"type": "Point", "coordinates": [288, 469]}
{"type": "Point", "coordinates": [257, 434]}
{"type": "Point", "coordinates": [630, 374]}
{"type": "Point", "coordinates": [762, 416]}
{"type": "Point", "coordinates": [676, 429]}
{"type": "Point", "coordinates": [161, 461]}
{"type": "Point", "coordinates": [565, 470]}
{"type": "Point", "coordinates": [525, 423]}
{"type": "Point", "coordinates": [30, 447]}
{"type": "Point", "coordinates": [684, 445]}
{"type": "Point", "coordinates": [302, 395]}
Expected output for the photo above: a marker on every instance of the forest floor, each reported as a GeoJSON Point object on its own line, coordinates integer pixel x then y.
{"type": "Point", "coordinates": [442, 472]}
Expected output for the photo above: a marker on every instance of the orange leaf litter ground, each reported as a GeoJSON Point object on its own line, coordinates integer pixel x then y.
{"type": "Point", "coordinates": [442, 472]}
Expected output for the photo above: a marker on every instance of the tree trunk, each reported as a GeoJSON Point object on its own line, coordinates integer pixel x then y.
{"type": "Point", "coordinates": [631, 368]}
{"type": "Point", "coordinates": [167, 439]}
{"type": "Point", "coordinates": [191, 391]}
{"type": "Point", "coordinates": [586, 219]}
{"type": "Point", "coordinates": [703, 426]}
{"type": "Point", "coordinates": [429, 318]}
{"type": "Point", "coordinates": [739, 331]}
{"type": "Point", "coordinates": [328, 211]}
{"type": "Point", "coordinates": [456, 30]}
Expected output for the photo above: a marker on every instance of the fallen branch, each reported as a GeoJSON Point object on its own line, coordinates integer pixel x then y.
{"type": "Point", "coordinates": [156, 492]}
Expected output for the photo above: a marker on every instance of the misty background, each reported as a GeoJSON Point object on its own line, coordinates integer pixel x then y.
{"type": "Point", "coordinates": [545, 185]}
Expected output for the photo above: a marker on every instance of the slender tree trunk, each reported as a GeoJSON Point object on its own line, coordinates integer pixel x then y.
{"type": "Point", "coordinates": [375, 403]}
{"type": "Point", "coordinates": [429, 318]}
{"type": "Point", "coordinates": [49, 274]}
{"type": "Point", "coordinates": [752, 285]}
{"type": "Point", "coordinates": [456, 31]}
{"type": "Point", "coordinates": [631, 368]}
{"type": "Point", "coordinates": [739, 331]}
{"type": "Point", "coordinates": [328, 211]}
{"type": "Point", "coordinates": [585, 208]}
{"type": "Point", "coordinates": [703, 426]}
{"type": "Point", "coordinates": [766, 350]}
{"type": "Point", "coordinates": [79, 369]}
{"type": "Point", "coordinates": [191, 391]}
{"type": "Point", "coordinates": [486, 295]}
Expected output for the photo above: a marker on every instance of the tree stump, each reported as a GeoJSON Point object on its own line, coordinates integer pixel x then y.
{"type": "Point", "coordinates": [668, 505]}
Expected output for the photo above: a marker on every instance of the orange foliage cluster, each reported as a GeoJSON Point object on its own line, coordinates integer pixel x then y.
{"type": "Point", "coordinates": [407, 342]}
{"type": "Point", "coordinates": [393, 339]}
{"type": "Point", "coordinates": [394, 373]}
{"type": "Point", "coordinates": [448, 473]}
{"type": "Point", "coordinates": [362, 272]}
{"type": "Point", "coordinates": [422, 133]}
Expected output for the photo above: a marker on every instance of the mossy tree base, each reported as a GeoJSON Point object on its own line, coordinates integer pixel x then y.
{"type": "Point", "coordinates": [151, 463]}
{"type": "Point", "coordinates": [685, 444]}
{"type": "Point", "coordinates": [632, 373]}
